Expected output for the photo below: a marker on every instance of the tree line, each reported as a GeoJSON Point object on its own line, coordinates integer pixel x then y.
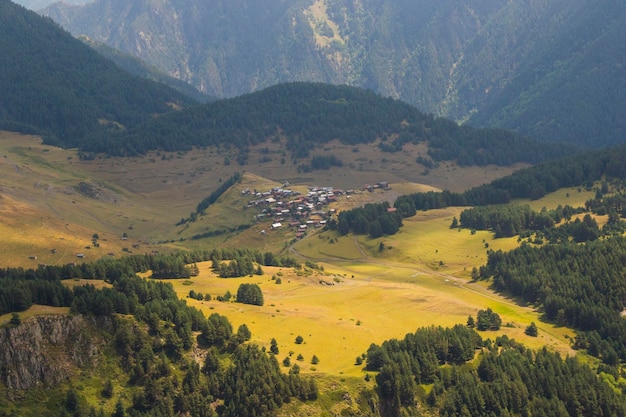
{"type": "Point", "coordinates": [533, 183]}
{"type": "Point", "coordinates": [475, 377]}
{"type": "Point", "coordinates": [42, 285]}
{"type": "Point", "coordinates": [308, 115]}
{"type": "Point", "coordinates": [152, 333]}
{"type": "Point", "coordinates": [581, 286]}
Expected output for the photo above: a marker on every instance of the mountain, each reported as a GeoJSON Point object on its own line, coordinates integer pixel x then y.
{"type": "Point", "coordinates": [141, 69]}
{"type": "Point", "coordinates": [307, 116]}
{"type": "Point", "coordinates": [39, 4]}
{"type": "Point", "coordinates": [551, 70]}
{"type": "Point", "coordinates": [53, 84]}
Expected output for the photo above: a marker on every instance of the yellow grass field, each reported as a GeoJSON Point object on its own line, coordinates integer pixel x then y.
{"type": "Point", "coordinates": [365, 296]}
{"type": "Point", "coordinates": [35, 310]}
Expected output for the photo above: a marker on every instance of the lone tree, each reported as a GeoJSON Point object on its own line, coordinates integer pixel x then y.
{"type": "Point", "coordinates": [532, 330]}
{"type": "Point", "coordinates": [299, 340]}
{"type": "Point", "coordinates": [250, 294]}
{"type": "Point", "coordinates": [274, 346]}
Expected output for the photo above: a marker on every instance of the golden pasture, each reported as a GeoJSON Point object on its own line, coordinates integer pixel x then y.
{"type": "Point", "coordinates": [366, 296]}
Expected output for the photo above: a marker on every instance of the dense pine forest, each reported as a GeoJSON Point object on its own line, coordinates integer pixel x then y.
{"type": "Point", "coordinates": [579, 286]}
{"type": "Point", "coordinates": [54, 85]}
{"type": "Point", "coordinates": [308, 115]}
{"type": "Point", "coordinates": [532, 183]}
{"type": "Point", "coordinates": [506, 379]}
{"type": "Point", "coordinates": [549, 70]}
{"type": "Point", "coordinates": [163, 380]}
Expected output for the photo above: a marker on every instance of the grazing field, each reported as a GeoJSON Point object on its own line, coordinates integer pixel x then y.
{"type": "Point", "coordinates": [52, 199]}
{"type": "Point", "coordinates": [365, 295]}
{"type": "Point", "coordinates": [52, 204]}
{"type": "Point", "coordinates": [575, 197]}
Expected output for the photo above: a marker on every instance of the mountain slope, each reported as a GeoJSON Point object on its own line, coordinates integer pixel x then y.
{"type": "Point", "coordinates": [305, 116]}
{"type": "Point", "coordinates": [551, 70]}
{"type": "Point", "coordinates": [137, 67]}
{"type": "Point", "coordinates": [53, 84]}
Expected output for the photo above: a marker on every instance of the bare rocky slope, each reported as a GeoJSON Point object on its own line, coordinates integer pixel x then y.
{"type": "Point", "coordinates": [46, 350]}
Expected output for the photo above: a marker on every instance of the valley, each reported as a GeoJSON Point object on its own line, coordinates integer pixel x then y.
{"type": "Point", "coordinates": [56, 206]}
{"type": "Point", "coordinates": [308, 247]}
{"type": "Point", "coordinates": [145, 197]}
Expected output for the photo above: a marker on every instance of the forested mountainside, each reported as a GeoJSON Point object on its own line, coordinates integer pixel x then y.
{"type": "Point", "coordinates": [551, 70]}
{"type": "Point", "coordinates": [305, 116]}
{"type": "Point", "coordinates": [53, 84]}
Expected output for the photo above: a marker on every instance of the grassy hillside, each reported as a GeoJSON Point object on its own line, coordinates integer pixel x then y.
{"type": "Point", "coordinates": [51, 199]}
{"type": "Point", "coordinates": [369, 290]}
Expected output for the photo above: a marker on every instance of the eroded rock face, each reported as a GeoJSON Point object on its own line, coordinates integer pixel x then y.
{"type": "Point", "coordinates": [46, 350]}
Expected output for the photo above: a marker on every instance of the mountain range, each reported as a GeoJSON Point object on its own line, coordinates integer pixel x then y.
{"type": "Point", "coordinates": [552, 70]}
{"type": "Point", "coordinates": [59, 87]}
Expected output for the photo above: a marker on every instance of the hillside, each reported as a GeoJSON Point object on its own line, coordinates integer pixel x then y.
{"type": "Point", "coordinates": [139, 68]}
{"type": "Point", "coordinates": [297, 118]}
{"type": "Point", "coordinates": [53, 84]}
{"type": "Point", "coordinates": [344, 320]}
{"type": "Point", "coordinates": [550, 70]}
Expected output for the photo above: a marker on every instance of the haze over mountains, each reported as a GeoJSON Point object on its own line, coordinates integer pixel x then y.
{"type": "Point", "coordinates": [552, 70]}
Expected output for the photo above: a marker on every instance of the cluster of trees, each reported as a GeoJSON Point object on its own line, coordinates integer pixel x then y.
{"type": "Point", "coordinates": [488, 320]}
{"type": "Point", "coordinates": [512, 380]}
{"type": "Point", "coordinates": [250, 294]}
{"type": "Point", "coordinates": [374, 219]}
{"type": "Point", "coordinates": [530, 183]}
{"type": "Point", "coordinates": [581, 286]}
{"type": "Point", "coordinates": [510, 220]}
{"type": "Point", "coordinates": [18, 294]}
{"type": "Point", "coordinates": [238, 267]}
{"type": "Point", "coordinates": [604, 204]}
{"type": "Point", "coordinates": [20, 288]}
{"type": "Point", "coordinates": [404, 364]}
{"type": "Point", "coordinates": [425, 350]}
{"type": "Point", "coordinates": [321, 162]}
{"type": "Point", "coordinates": [507, 379]}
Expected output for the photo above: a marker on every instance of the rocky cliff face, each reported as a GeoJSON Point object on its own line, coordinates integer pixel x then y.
{"type": "Point", "coordinates": [46, 350]}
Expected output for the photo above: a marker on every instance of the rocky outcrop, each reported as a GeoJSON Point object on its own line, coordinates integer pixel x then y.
{"type": "Point", "coordinates": [46, 350]}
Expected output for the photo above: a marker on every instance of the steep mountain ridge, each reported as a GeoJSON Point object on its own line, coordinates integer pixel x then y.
{"type": "Point", "coordinates": [53, 84]}
{"type": "Point", "coordinates": [514, 64]}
